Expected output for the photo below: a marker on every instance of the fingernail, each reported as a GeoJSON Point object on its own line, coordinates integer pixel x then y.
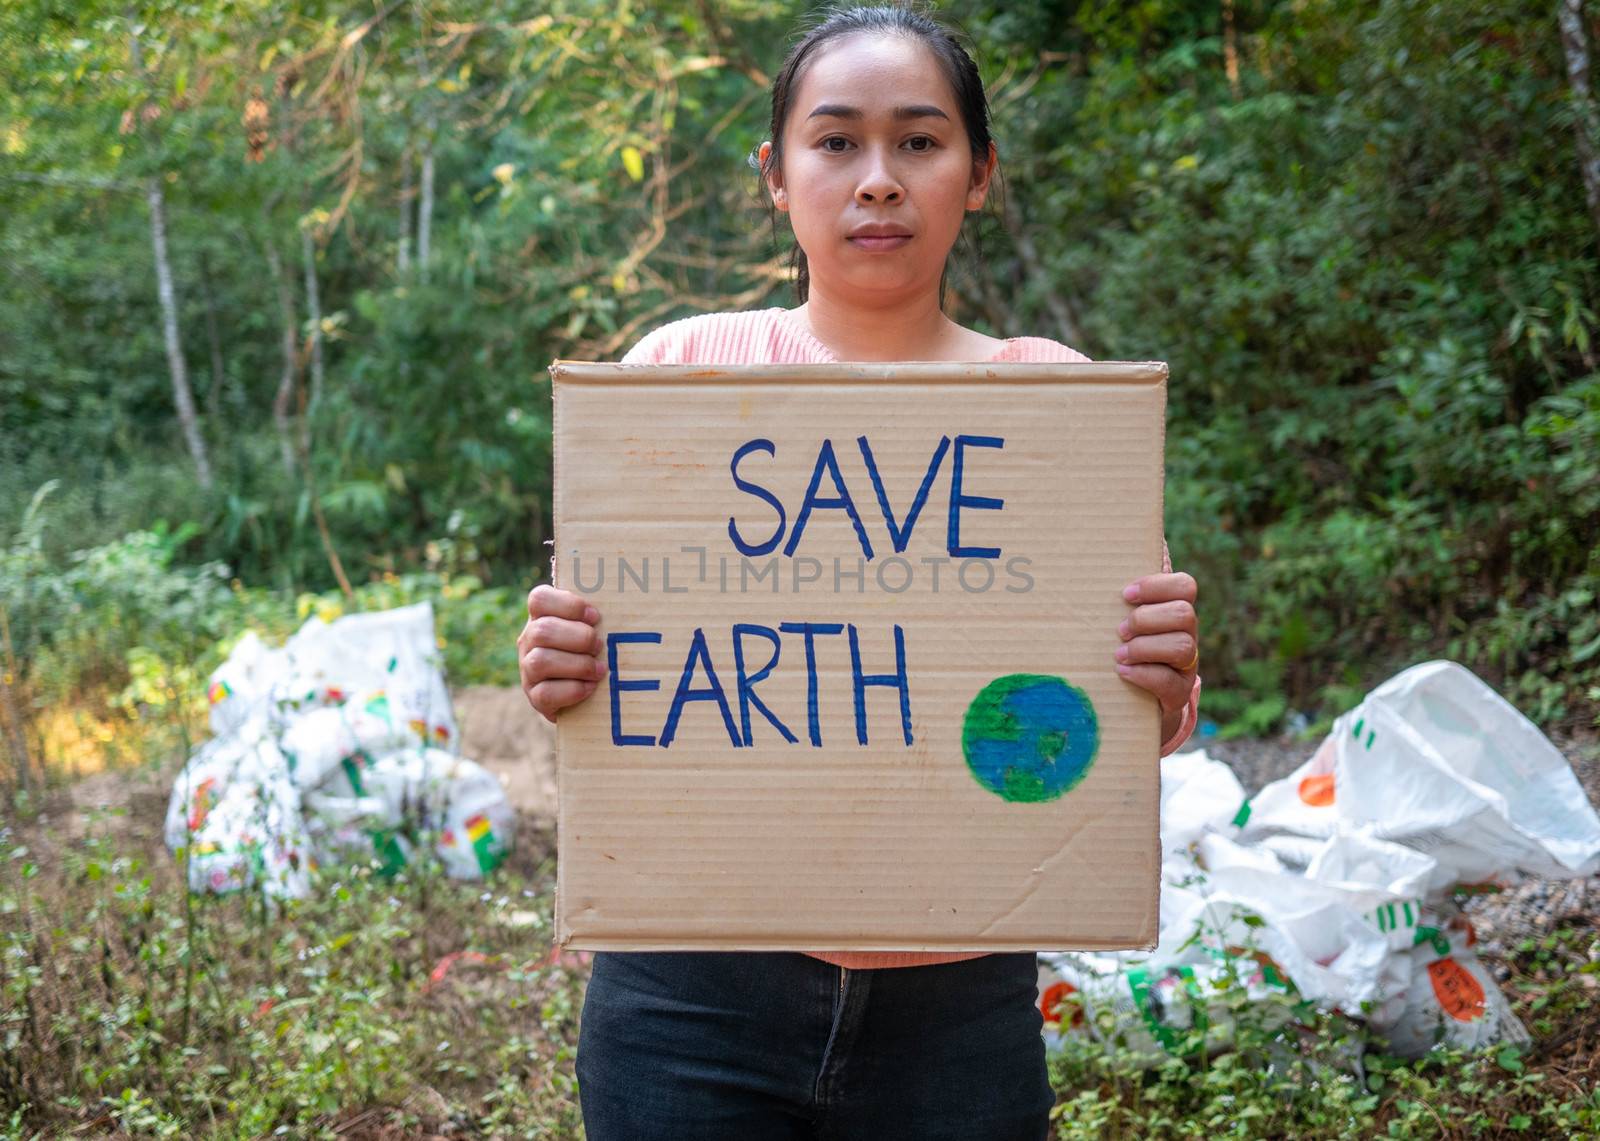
{"type": "Point", "coordinates": [591, 615]}
{"type": "Point", "coordinates": [1125, 629]}
{"type": "Point", "coordinates": [599, 669]}
{"type": "Point", "coordinates": [1131, 592]}
{"type": "Point", "coordinates": [588, 686]}
{"type": "Point", "coordinates": [1122, 653]}
{"type": "Point", "coordinates": [1124, 671]}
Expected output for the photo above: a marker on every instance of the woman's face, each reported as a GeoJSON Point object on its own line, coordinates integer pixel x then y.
{"type": "Point", "coordinates": [877, 167]}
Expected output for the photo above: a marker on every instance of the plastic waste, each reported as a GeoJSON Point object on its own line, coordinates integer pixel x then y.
{"type": "Point", "coordinates": [1334, 887]}
{"type": "Point", "coordinates": [337, 747]}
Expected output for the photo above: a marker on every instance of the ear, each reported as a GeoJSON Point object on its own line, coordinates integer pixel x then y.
{"type": "Point", "coordinates": [982, 173]}
{"type": "Point", "coordinates": [780, 196]}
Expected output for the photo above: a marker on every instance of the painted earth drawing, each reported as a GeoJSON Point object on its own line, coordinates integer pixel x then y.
{"type": "Point", "coordinates": [1030, 737]}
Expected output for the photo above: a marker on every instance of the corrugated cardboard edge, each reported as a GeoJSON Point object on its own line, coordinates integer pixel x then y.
{"type": "Point", "coordinates": [903, 372]}
{"type": "Point", "coordinates": [563, 932]}
{"type": "Point", "coordinates": [911, 372]}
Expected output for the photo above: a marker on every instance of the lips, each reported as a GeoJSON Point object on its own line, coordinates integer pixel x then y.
{"type": "Point", "coordinates": [879, 237]}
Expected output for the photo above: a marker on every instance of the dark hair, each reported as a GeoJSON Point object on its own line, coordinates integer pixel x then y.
{"type": "Point", "coordinates": [953, 57]}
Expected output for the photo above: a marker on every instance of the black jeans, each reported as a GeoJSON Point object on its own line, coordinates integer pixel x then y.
{"type": "Point", "coordinates": [767, 1046]}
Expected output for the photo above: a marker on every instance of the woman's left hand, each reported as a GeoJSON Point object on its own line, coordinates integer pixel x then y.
{"type": "Point", "coordinates": [1160, 648]}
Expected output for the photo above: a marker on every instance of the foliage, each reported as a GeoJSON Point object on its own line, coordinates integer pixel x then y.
{"type": "Point", "coordinates": [122, 637]}
{"type": "Point", "coordinates": [1356, 230]}
{"type": "Point", "coordinates": [127, 1003]}
{"type": "Point", "coordinates": [1289, 1071]}
{"type": "Point", "coordinates": [130, 1004]}
{"type": "Point", "coordinates": [1370, 269]}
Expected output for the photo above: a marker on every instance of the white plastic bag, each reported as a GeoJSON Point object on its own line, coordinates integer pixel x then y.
{"type": "Point", "coordinates": [338, 746]}
{"type": "Point", "coordinates": [1435, 760]}
{"type": "Point", "coordinates": [392, 650]}
{"type": "Point", "coordinates": [360, 729]}
{"type": "Point", "coordinates": [1450, 1000]}
{"type": "Point", "coordinates": [252, 836]}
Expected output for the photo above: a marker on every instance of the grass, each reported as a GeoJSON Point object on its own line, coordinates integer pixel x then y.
{"type": "Point", "coordinates": [131, 1008]}
{"type": "Point", "coordinates": [1302, 1083]}
{"type": "Point", "coordinates": [424, 1007]}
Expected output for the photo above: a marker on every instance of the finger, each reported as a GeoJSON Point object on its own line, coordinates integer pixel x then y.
{"type": "Point", "coordinates": [1162, 588]}
{"type": "Point", "coordinates": [543, 664]}
{"type": "Point", "coordinates": [563, 634]}
{"type": "Point", "coordinates": [551, 697]}
{"type": "Point", "coordinates": [1170, 687]}
{"type": "Point", "coordinates": [1159, 618]}
{"type": "Point", "coordinates": [1175, 650]}
{"type": "Point", "coordinates": [546, 599]}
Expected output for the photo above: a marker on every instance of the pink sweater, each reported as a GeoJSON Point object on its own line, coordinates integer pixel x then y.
{"type": "Point", "coordinates": [775, 336]}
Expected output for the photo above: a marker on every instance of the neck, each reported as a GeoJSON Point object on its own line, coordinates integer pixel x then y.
{"type": "Point", "coordinates": [904, 328]}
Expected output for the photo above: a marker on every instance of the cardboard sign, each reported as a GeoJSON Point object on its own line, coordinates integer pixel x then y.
{"type": "Point", "coordinates": [860, 621]}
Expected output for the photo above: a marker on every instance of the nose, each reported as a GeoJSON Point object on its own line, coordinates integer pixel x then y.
{"type": "Point", "coordinates": [879, 185]}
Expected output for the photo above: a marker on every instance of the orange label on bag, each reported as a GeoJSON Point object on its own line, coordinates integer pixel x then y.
{"type": "Point", "coordinates": [1317, 791]}
{"type": "Point", "coordinates": [1050, 1004]}
{"type": "Point", "coordinates": [1459, 994]}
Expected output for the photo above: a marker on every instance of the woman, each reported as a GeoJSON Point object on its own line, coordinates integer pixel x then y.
{"type": "Point", "coordinates": [879, 148]}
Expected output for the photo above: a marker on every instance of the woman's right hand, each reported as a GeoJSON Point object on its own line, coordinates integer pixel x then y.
{"type": "Point", "coordinates": [559, 650]}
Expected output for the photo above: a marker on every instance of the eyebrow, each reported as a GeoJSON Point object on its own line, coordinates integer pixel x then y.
{"type": "Point", "coordinates": [915, 111]}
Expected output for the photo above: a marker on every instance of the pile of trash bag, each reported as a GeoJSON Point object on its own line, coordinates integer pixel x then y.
{"type": "Point", "coordinates": [1338, 885]}
{"type": "Point", "coordinates": [339, 747]}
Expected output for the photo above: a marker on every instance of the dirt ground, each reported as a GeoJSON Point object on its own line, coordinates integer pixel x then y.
{"type": "Point", "coordinates": [502, 733]}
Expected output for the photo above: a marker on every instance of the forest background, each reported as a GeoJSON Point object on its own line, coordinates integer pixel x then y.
{"type": "Point", "coordinates": [281, 282]}
{"type": "Point", "coordinates": [278, 286]}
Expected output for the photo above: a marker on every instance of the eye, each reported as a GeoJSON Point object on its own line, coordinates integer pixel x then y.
{"type": "Point", "coordinates": [824, 144]}
{"type": "Point", "coordinates": [928, 139]}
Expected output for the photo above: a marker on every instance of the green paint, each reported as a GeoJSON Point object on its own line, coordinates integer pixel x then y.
{"type": "Point", "coordinates": [990, 718]}
{"type": "Point", "coordinates": [391, 856]}
{"type": "Point", "coordinates": [489, 850]}
{"type": "Point", "coordinates": [352, 771]}
{"type": "Point", "coordinates": [1025, 787]}
{"type": "Point", "coordinates": [1434, 937]}
{"type": "Point", "coordinates": [1139, 986]}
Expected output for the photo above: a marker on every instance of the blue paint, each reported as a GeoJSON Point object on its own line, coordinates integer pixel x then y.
{"type": "Point", "coordinates": [958, 500]}
{"type": "Point", "coordinates": [759, 492]}
{"type": "Point", "coordinates": [617, 685]}
{"type": "Point", "coordinates": [826, 462]}
{"type": "Point", "coordinates": [1030, 737]}
{"type": "Point", "coordinates": [810, 630]}
{"type": "Point", "coordinates": [684, 695]}
{"type": "Point", "coordinates": [901, 535]}
{"type": "Point", "coordinates": [747, 683]}
{"type": "Point", "coordinates": [897, 680]}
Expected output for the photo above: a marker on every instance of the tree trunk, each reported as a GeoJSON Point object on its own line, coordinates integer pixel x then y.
{"type": "Point", "coordinates": [425, 203]}
{"type": "Point", "coordinates": [308, 255]}
{"type": "Point", "coordinates": [1586, 121]}
{"type": "Point", "coordinates": [283, 400]}
{"type": "Point", "coordinates": [430, 133]}
{"type": "Point", "coordinates": [403, 256]}
{"type": "Point", "coordinates": [182, 395]}
{"type": "Point", "coordinates": [1230, 47]}
{"type": "Point", "coordinates": [16, 730]}
{"type": "Point", "coordinates": [1034, 266]}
